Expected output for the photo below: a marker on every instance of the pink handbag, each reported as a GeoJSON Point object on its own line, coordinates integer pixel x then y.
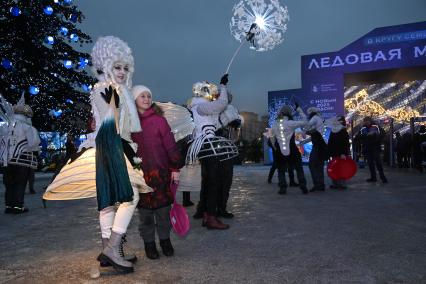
{"type": "Point", "coordinates": [178, 215]}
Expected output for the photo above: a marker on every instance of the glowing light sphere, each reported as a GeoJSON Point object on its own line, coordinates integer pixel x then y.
{"type": "Point", "coordinates": [48, 10]}
{"type": "Point", "coordinates": [33, 90]}
{"type": "Point", "coordinates": [56, 1]}
{"type": "Point", "coordinates": [68, 64]}
{"type": "Point", "coordinates": [74, 37]}
{"type": "Point", "coordinates": [50, 40]}
{"type": "Point", "coordinates": [69, 101]}
{"type": "Point", "coordinates": [63, 31]}
{"type": "Point", "coordinates": [6, 64]}
{"type": "Point", "coordinates": [15, 11]}
{"type": "Point", "coordinates": [67, 2]}
{"type": "Point", "coordinates": [269, 17]}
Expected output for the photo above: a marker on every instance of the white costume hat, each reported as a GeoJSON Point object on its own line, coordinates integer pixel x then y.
{"type": "Point", "coordinates": [22, 108]}
{"type": "Point", "coordinates": [205, 90]}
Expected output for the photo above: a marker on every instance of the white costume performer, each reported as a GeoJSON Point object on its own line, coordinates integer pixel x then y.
{"type": "Point", "coordinates": [282, 135]}
{"type": "Point", "coordinates": [206, 118]}
{"type": "Point", "coordinates": [115, 176]}
{"type": "Point", "coordinates": [208, 148]}
{"type": "Point", "coordinates": [18, 142]}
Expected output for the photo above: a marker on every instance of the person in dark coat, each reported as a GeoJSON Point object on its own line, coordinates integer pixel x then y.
{"type": "Point", "coordinates": [371, 137]}
{"type": "Point", "coordinates": [338, 146]}
{"type": "Point", "coordinates": [318, 155]}
{"type": "Point", "coordinates": [419, 151]}
{"type": "Point", "coordinates": [161, 161]}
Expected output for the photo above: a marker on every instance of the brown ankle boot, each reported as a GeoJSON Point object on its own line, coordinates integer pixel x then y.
{"type": "Point", "coordinates": [215, 224]}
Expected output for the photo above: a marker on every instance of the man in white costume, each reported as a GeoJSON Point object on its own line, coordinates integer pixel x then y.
{"type": "Point", "coordinates": [22, 141]}
{"type": "Point", "coordinates": [209, 148]}
{"type": "Point", "coordinates": [283, 137]}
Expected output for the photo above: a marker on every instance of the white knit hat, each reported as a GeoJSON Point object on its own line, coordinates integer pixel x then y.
{"type": "Point", "coordinates": [138, 90]}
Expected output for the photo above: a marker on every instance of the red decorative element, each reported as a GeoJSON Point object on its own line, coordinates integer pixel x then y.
{"type": "Point", "coordinates": [339, 168]}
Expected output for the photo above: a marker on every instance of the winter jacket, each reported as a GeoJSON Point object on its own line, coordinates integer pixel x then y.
{"type": "Point", "coordinates": [371, 138]}
{"type": "Point", "coordinates": [160, 156]}
{"type": "Point", "coordinates": [338, 143]}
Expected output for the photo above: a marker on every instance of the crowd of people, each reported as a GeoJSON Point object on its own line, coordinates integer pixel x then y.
{"type": "Point", "coordinates": [138, 158]}
{"type": "Point", "coordinates": [368, 143]}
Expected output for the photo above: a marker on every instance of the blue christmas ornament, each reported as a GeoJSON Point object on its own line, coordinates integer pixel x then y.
{"type": "Point", "coordinates": [74, 37]}
{"type": "Point", "coordinates": [68, 64]}
{"type": "Point", "coordinates": [63, 31]}
{"type": "Point", "coordinates": [55, 113]}
{"type": "Point", "coordinates": [6, 64]}
{"type": "Point", "coordinates": [73, 18]}
{"type": "Point", "coordinates": [15, 11]}
{"type": "Point", "coordinates": [50, 40]}
{"type": "Point", "coordinates": [48, 10]}
{"type": "Point", "coordinates": [86, 87]}
{"type": "Point", "coordinates": [83, 62]}
{"type": "Point", "coordinates": [34, 90]}
{"type": "Point", "coordinates": [58, 113]}
{"type": "Point", "coordinates": [69, 101]}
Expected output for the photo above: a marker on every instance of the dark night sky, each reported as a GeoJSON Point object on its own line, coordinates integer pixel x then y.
{"type": "Point", "coordinates": [176, 43]}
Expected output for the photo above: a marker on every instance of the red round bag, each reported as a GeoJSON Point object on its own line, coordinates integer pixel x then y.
{"type": "Point", "coordinates": [178, 216]}
{"type": "Point", "coordinates": [339, 168]}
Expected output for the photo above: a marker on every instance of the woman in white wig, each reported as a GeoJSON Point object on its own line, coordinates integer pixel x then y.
{"type": "Point", "coordinates": [116, 117]}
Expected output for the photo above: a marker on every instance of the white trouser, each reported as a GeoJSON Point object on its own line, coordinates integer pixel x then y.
{"type": "Point", "coordinates": [119, 221]}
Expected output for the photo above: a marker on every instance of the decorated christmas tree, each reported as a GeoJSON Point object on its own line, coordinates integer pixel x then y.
{"type": "Point", "coordinates": [38, 52]}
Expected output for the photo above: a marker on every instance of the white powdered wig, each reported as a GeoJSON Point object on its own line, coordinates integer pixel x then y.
{"type": "Point", "coordinates": [107, 51]}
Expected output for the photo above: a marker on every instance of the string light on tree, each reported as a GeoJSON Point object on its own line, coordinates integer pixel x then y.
{"type": "Point", "coordinates": [50, 40]}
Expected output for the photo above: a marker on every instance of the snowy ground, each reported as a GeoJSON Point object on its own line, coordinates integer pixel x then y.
{"type": "Point", "coordinates": [367, 234]}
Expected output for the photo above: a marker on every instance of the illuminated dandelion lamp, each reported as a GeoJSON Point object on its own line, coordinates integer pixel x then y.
{"type": "Point", "coordinates": [259, 22]}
